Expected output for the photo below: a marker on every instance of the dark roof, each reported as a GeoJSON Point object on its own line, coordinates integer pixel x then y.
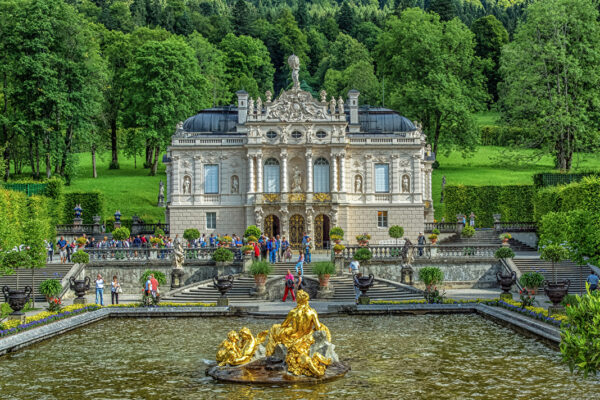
{"type": "Point", "coordinates": [223, 120]}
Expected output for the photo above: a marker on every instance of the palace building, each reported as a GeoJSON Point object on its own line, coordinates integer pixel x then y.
{"type": "Point", "coordinates": [298, 164]}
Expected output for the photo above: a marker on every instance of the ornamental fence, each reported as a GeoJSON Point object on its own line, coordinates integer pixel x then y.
{"type": "Point", "coordinates": [428, 251]}
{"type": "Point", "coordinates": [28, 188]}
{"type": "Point", "coordinates": [515, 226]}
{"type": "Point", "coordinates": [153, 253]}
{"type": "Point", "coordinates": [443, 227]}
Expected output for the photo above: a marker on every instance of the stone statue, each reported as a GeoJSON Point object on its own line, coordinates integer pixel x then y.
{"type": "Point", "coordinates": [332, 106]}
{"type": "Point", "coordinates": [268, 96]}
{"type": "Point", "coordinates": [341, 105]}
{"type": "Point", "coordinates": [297, 180]}
{"type": "Point", "coordinates": [323, 95]}
{"type": "Point", "coordinates": [358, 184]}
{"type": "Point", "coordinates": [294, 63]}
{"type": "Point", "coordinates": [179, 126]}
{"type": "Point", "coordinates": [235, 184]}
{"type": "Point", "coordinates": [251, 106]}
{"type": "Point", "coordinates": [179, 255]}
{"type": "Point", "coordinates": [187, 185]}
{"type": "Point", "coordinates": [259, 106]}
{"type": "Point", "coordinates": [405, 184]}
{"type": "Point", "coordinates": [161, 194]}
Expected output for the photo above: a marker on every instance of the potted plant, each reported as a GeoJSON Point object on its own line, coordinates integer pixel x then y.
{"type": "Point", "coordinates": [433, 238]}
{"type": "Point", "coordinates": [159, 232]}
{"type": "Point", "coordinates": [363, 240]}
{"type": "Point", "coordinates": [252, 231]}
{"type": "Point", "coordinates": [468, 231]}
{"type": "Point", "coordinates": [363, 255]}
{"type": "Point", "coordinates": [191, 234]}
{"type": "Point", "coordinates": [222, 256]}
{"type": "Point", "coordinates": [225, 240]}
{"type": "Point", "coordinates": [396, 232]}
{"type": "Point", "coordinates": [81, 242]}
{"type": "Point", "coordinates": [80, 257]}
{"type": "Point", "coordinates": [555, 291]}
{"type": "Point", "coordinates": [324, 270]}
{"type": "Point", "coordinates": [505, 237]}
{"type": "Point", "coordinates": [260, 270]}
{"type": "Point", "coordinates": [50, 288]}
{"type": "Point", "coordinates": [431, 277]}
{"type": "Point", "coordinates": [532, 281]}
{"type": "Point", "coordinates": [338, 248]}
{"type": "Point", "coordinates": [435, 231]}
{"type": "Point", "coordinates": [121, 233]}
{"type": "Point", "coordinates": [251, 239]}
{"type": "Point", "coordinates": [247, 249]}
{"type": "Point", "coordinates": [336, 234]}
{"type": "Point", "coordinates": [156, 242]}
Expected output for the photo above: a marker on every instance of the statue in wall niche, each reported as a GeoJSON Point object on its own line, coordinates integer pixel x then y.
{"type": "Point", "coordinates": [294, 63]}
{"type": "Point", "coordinates": [341, 105]}
{"type": "Point", "coordinates": [405, 184]}
{"type": "Point", "coordinates": [187, 185]}
{"type": "Point", "coordinates": [332, 106]}
{"type": "Point", "coordinates": [358, 184]}
{"type": "Point", "coordinates": [235, 184]}
{"type": "Point", "coordinates": [297, 180]}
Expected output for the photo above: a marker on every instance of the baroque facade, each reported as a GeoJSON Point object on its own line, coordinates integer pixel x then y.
{"type": "Point", "coordinates": [299, 164]}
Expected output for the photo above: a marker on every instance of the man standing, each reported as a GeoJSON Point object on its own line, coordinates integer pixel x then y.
{"type": "Point", "coordinates": [307, 246]}
{"type": "Point", "coordinates": [278, 248]}
{"type": "Point", "coordinates": [472, 219]}
{"type": "Point", "coordinates": [421, 242]}
{"type": "Point", "coordinates": [592, 280]}
{"type": "Point", "coordinates": [50, 249]}
{"type": "Point", "coordinates": [99, 290]}
{"type": "Point", "coordinates": [154, 284]}
{"type": "Point", "coordinates": [62, 248]}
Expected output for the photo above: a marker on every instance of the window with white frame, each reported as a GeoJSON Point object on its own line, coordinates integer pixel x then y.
{"type": "Point", "coordinates": [382, 184]}
{"type": "Point", "coordinates": [211, 178]}
{"type": "Point", "coordinates": [271, 176]}
{"type": "Point", "coordinates": [321, 175]}
{"type": "Point", "coordinates": [211, 220]}
{"type": "Point", "coordinates": [382, 219]}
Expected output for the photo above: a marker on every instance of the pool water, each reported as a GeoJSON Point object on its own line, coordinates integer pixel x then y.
{"type": "Point", "coordinates": [392, 357]}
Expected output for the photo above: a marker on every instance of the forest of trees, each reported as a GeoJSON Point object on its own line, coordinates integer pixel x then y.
{"type": "Point", "coordinates": [117, 75]}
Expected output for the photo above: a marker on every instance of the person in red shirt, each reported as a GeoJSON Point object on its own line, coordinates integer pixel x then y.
{"type": "Point", "coordinates": [256, 250]}
{"type": "Point", "coordinates": [154, 284]}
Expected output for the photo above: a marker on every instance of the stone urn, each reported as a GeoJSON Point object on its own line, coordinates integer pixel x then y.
{"type": "Point", "coordinates": [506, 281]}
{"type": "Point", "coordinates": [17, 299]}
{"type": "Point", "coordinates": [363, 284]}
{"type": "Point", "coordinates": [324, 280]}
{"type": "Point", "coordinates": [223, 284]}
{"type": "Point", "coordinates": [260, 289]}
{"type": "Point", "coordinates": [79, 286]}
{"type": "Point", "coordinates": [556, 291]}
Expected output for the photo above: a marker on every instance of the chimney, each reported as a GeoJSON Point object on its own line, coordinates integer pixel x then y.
{"type": "Point", "coordinates": [353, 105]}
{"type": "Point", "coordinates": [242, 96]}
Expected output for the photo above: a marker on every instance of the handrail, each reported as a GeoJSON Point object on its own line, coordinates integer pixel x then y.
{"type": "Point", "coordinates": [394, 252]}
{"type": "Point", "coordinates": [74, 271]}
{"type": "Point", "coordinates": [153, 253]}
{"type": "Point", "coordinates": [509, 266]}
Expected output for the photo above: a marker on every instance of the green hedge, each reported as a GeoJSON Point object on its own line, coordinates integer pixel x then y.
{"type": "Point", "coordinates": [544, 179]}
{"type": "Point", "coordinates": [91, 202]}
{"type": "Point", "coordinates": [495, 135]}
{"type": "Point", "coordinates": [514, 202]}
{"type": "Point", "coordinates": [583, 195]}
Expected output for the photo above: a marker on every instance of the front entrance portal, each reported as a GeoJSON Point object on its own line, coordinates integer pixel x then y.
{"type": "Point", "coordinates": [296, 230]}
{"type": "Point", "coordinates": [271, 228]}
{"type": "Point", "coordinates": [322, 227]}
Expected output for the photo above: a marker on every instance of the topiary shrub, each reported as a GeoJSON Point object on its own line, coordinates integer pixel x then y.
{"type": "Point", "coordinates": [396, 231]}
{"type": "Point", "coordinates": [191, 234]}
{"type": "Point", "coordinates": [121, 233]}
{"type": "Point", "coordinates": [363, 255]}
{"type": "Point", "coordinates": [247, 248]}
{"type": "Point", "coordinates": [81, 241]}
{"type": "Point", "coordinates": [324, 268]}
{"type": "Point", "coordinates": [431, 276]}
{"type": "Point", "coordinates": [504, 252]}
{"type": "Point", "coordinates": [251, 239]}
{"type": "Point", "coordinates": [468, 231]}
{"type": "Point", "coordinates": [261, 268]}
{"type": "Point", "coordinates": [252, 230]}
{"type": "Point", "coordinates": [222, 255]}
{"type": "Point", "coordinates": [160, 277]}
{"type": "Point", "coordinates": [50, 288]}
{"type": "Point", "coordinates": [435, 231]}
{"type": "Point", "coordinates": [532, 280]}
{"type": "Point", "coordinates": [80, 257]}
{"type": "Point", "coordinates": [338, 248]}
{"type": "Point", "coordinates": [336, 230]}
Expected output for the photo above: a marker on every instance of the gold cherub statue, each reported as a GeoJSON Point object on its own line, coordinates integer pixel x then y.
{"type": "Point", "coordinates": [239, 348]}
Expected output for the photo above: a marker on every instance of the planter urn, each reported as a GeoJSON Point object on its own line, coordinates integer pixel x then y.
{"type": "Point", "coordinates": [260, 289]}
{"type": "Point", "coordinates": [363, 284]}
{"type": "Point", "coordinates": [79, 286]}
{"type": "Point", "coordinates": [17, 299]}
{"type": "Point", "coordinates": [556, 291]}
{"type": "Point", "coordinates": [506, 281]}
{"type": "Point", "coordinates": [223, 284]}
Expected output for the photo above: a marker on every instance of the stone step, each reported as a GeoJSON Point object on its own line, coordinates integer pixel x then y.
{"type": "Point", "coordinates": [564, 270]}
{"type": "Point", "coordinates": [51, 271]}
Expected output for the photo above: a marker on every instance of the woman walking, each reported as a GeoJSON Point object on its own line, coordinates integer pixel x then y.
{"type": "Point", "coordinates": [300, 263]}
{"type": "Point", "coordinates": [99, 290]}
{"type": "Point", "coordinates": [115, 289]}
{"type": "Point", "coordinates": [289, 286]}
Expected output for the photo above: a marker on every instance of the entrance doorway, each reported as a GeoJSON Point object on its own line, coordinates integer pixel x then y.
{"type": "Point", "coordinates": [271, 228]}
{"type": "Point", "coordinates": [296, 230]}
{"type": "Point", "coordinates": [322, 227]}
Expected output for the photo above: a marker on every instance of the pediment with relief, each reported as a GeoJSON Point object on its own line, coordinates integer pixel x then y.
{"type": "Point", "coordinates": [296, 105]}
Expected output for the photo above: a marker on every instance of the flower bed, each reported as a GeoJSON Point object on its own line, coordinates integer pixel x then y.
{"type": "Point", "coordinates": [445, 301]}
{"type": "Point", "coordinates": [162, 304]}
{"type": "Point", "coordinates": [43, 318]}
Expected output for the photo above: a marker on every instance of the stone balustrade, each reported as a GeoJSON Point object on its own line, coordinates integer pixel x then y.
{"type": "Point", "coordinates": [152, 253]}
{"type": "Point", "coordinates": [394, 252]}
{"type": "Point", "coordinates": [443, 227]}
{"type": "Point", "coordinates": [515, 226]}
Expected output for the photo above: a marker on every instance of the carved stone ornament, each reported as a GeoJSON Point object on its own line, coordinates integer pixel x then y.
{"type": "Point", "coordinates": [358, 186]}
{"type": "Point", "coordinates": [235, 184]}
{"type": "Point", "coordinates": [187, 185]}
{"type": "Point", "coordinates": [268, 96]}
{"type": "Point", "coordinates": [323, 95]}
{"type": "Point", "coordinates": [405, 184]}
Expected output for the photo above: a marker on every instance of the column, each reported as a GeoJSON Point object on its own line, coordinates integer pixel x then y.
{"type": "Point", "coordinates": [334, 174]}
{"type": "Point", "coordinates": [284, 172]}
{"type": "Point", "coordinates": [309, 172]}
{"type": "Point", "coordinates": [343, 172]}
{"type": "Point", "coordinates": [250, 173]}
{"type": "Point", "coordinates": [259, 174]}
{"type": "Point", "coordinates": [417, 180]}
{"type": "Point", "coordinates": [175, 175]}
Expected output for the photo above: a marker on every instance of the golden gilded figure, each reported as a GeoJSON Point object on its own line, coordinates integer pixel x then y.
{"type": "Point", "coordinates": [239, 348]}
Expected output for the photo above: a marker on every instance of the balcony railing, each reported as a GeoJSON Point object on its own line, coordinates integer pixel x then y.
{"type": "Point", "coordinates": [75, 229]}
{"type": "Point", "coordinates": [152, 253]}
{"type": "Point", "coordinates": [393, 252]}
{"type": "Point", "coordinates": [515, 226]}
{"type": "Point", "coordinates": [443, 227]}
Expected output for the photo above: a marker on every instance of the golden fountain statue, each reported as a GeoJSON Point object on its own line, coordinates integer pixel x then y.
{"type": "Point", "coordinates": [291, 351]}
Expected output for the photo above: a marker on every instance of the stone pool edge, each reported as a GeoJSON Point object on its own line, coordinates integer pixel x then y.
{"type": "Point", "coordinates": [522, 324]}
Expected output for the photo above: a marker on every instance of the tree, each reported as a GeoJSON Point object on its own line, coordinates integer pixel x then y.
{"type": "Point", "coordinates": [549, 71]}
{"type": "Point", "coordinates": [301, 14]}
{"type": "Point", "coordinates": [434, 76]}
{"type": "Point", "coordinates": [164, 86]}
{"type": "Point", "coordinates": [242, 18]}
{"type": "Point", "coordinates": [346, 18]}
{"type": "Point", "coordinates": [490, 36]}
{"type": "Point", "coordinates": [443, 8]}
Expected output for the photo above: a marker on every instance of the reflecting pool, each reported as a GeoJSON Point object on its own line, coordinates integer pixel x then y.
{"type": "Point", "coordinates": [392, 357]}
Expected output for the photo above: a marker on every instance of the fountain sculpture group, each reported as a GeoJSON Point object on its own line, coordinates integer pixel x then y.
{"type": "Point", "coordinates": [299, 349]}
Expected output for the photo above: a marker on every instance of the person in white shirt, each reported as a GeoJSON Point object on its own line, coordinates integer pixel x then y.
{"type": "Point", "coordinates": [100, 290]}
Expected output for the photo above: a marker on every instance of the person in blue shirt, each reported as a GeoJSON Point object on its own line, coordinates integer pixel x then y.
{"type": "Point", "coordinates": [211, 240]}
{"type": "Point", "coordinates": [307, 245]}
{"type": "Point", "coordinates": [278, 240]}
{"type": "Point", "coordinates": [62, 248]}
{"type": "Point", "coordinates": [593, 279]}
{"type": "Point", "coordinates": [272, 249]}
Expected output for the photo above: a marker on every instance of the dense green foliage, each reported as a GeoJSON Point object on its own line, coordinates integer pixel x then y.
{"type": "Point", "coordinates": [490, 36]}
{"type": "Point", "coordinates": [531, 280]}
{"type": "Point", "coordinates": [336, 230]}
{"type": "Point", "coordinates": [252, 230]}
{"type": "Point", "coordinates": [222, 255]}
{"type": "Point", "coordinates": [514, 202]}
{"type": "Point", "coordinates": [121, 233]}
{"type": "Point", "coordinates": [191, 234]}
{"type": "Point", "coordinates": [577, 195]}
{"type": "Point", "coordinates": [324, 268]}
{"type": "Point", "coordinates": [80, 257]}
{"type": "Point", "coordinates": [580, 335]}
{"type": "Point", "coordinates": [431, 276]}
{"type": "Point", "coordinates": [544, 179]}
{"type": "Point", "coordinates": [504, 252]}
{"type": "Point", "coordinates": [363, 254]}
{"type": "Point", "coordinates": [50, 287]}
{"type": "Point", "coordinates": [468, 231]}
{"type": "Point", "coordinates": [261, 268]}
{"type": "Point", "coordinates": [396, 231]}
{"type": "Point", "coordinates": [160, 277]}
{"type": "Point", "coordinates": [92, 203]}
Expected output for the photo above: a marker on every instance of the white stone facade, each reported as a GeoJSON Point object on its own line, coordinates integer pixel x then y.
{"type": "Point", "coordinates": [268, 163]}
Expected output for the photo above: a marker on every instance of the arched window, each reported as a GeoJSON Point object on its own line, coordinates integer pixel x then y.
{"type": "Point", "coordinates": [321, 175]}
{"type": "Point", "coordinates": [271, 176]}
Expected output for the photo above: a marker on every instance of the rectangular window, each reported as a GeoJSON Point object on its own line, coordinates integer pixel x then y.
{"type": "Point", "coordinates": [382, 219]}
{"type": "Point", "coordinates": [211, 178]}
{"type": "Point", "coordinates": [211, 220]}
{"type": "Point", "coordinates": [382, 184]}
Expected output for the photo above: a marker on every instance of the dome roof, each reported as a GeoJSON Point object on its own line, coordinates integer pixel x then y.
{"type": "Point", "coordinates": [217, 120]}
{"type": "Point", "coordinates": [382, 120]}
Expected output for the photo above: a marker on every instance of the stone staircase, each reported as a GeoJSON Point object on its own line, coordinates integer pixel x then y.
{"type": "Point", "coordinates": [564, 270]}
{"type": "Point", "coordinates": [51, 271]}
{"type": "Point", "coordinates": [487, 237]}
{"type": "Point", "coordinates": [240, 292]}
